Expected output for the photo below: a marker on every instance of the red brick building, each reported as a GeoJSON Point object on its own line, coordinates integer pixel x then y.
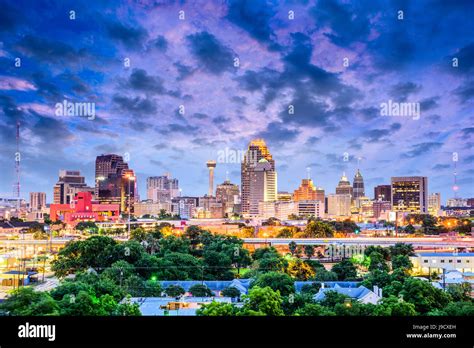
{"type": "Point", "coordinates": [84, 209]}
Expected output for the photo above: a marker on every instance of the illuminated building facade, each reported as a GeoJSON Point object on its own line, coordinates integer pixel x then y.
{"type": "Point", "coordinates": [344, 187]}
{"type": "Point", "coordinates": [383, 192]}
{"type": "Point", "coordinates": [410, 194]}
{"type": "Point", "coordinates": [308, 192]}
{"type": "Point", "coordinates": [70, 183]}
{"type": "Point", "coordinates": [83, 208]}
{"type": "Point", "coordinates": [263, 185]}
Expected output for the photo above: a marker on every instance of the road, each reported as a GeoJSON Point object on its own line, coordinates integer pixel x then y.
{"type": "Point", "coordinates": [382, 241]}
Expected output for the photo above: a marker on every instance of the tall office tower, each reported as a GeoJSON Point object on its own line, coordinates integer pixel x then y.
{"type": "Point", "coordinates": [162, 188]}
{"type": "Point", "coordinates": [306, 191]}
{"type": "Point", "coordinates": [382, 192]}
{"type": "Point", "coordinates": [211, 165]}
{"type": "Point", "coordinates": [339, 205]}
{"type": "Point", "coordinates": [106, 165]}
{"type": "Point", "coordinates": [434, 203]}
{"type": "Point", "coordinates": [37, 201]}
{"type": "Point", "coordinates": [115, 182]}
{"type": "Point", "coordinates": [263, 185]}
{"type": "Point", "coordinates": [358, 186]}
{"type": "Point", "coordinates": [69, 183]}
{"type": "Point", "coordinates": [344, 187]}
{"type": "Point", "coordinates": [256, 151]}
{"type": "Point", "coordinates": [284, 196]}
{"type": "Point", "coordinates": [228, 194]}
{"type": "Point", "coordinates": [410, 194]}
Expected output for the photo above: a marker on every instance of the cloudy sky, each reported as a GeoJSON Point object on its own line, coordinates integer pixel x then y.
{"type": "Point", "coordinates": [310, 82]}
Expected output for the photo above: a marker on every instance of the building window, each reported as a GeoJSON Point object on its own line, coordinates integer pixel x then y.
{"type": "Point", "coordinates": [459, 261]}
{"type": "Point", "coordinates": [450, 261]}
{"type": "Point", "coordinates": [425, 261]}
{"type": "Point", "coordinates": [442, 261]}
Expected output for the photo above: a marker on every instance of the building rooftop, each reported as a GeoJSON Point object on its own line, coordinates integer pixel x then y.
{"type": "Point", "coordinates": [445, 254]}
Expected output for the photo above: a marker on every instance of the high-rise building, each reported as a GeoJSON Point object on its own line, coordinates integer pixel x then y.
{"type": "Point", "coordinates": [256, 151]}
{"type": "Point", "coordinates": [70, 183]}
{"type": "Point", "coordinates": [228, 194]}
{"type": "Point", "coordinates": [339, 205]}
{"type": "Point", "coordinates": [263, 185]}
{"type": "Point", "coordinates": [358, 186]}
{"type": "Point", "coordinates": [410, 194]}
{"type": "Point", "coordinates": [184, 206]}
{"type": "Point", "coordinates": [211, 165]}
{"type": "Point", "coordinates": [381, 209]}
{"type": "Point", "coordinates": [456, 202]}
{"type": "Point", "coordinates": [344, 187]}
{"type": "Point", "coordinates": [434, 203]}
{"type": "Point", "coordinates": [308, 192]}
{"type": "Point", "coordinates": [37, 201]}
{"type": "Point", "coordinates": [162, 188]}
{"type": "Point", "coordinates": [382, 192]}
{"type": "Point", "coordinates": [284, 196]}
{"type": "Point", "coordinates": [115, 182]}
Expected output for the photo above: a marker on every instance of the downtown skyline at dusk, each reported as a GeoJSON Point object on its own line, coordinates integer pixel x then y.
{"type": "Point", "coordinates": [176, 85]}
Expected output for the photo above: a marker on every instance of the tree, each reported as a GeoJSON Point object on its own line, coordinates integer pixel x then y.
{"type": "Point", "coordinates": [26, 301]}
{"type": "Point", "coordinates": [231, 291]}
{"type": "Point", "coordinates": [262, 300]}
{"type": "Point", "coordinates": [200, 290]}
{"type": "Point", "coordinates": [179, 266]}
{"type": "Point", "coordinates": [277, 281]}
{"type": "Point", "coordinates": [309, 251]}
{"type": "Point", "coordinates": [193, 233]}
{"type": "Point", "coordinates": [318, 229]}
{"type": "Point", "coordinates": [286, 232]}
{"type": "Point", "coordinates": [424, 296]}
{"type": "Point", "coordinates": [174, 291]}
{"type": "Point", "coordinates": [377, 261]}
{"type": "Point", "coordinates": [96, 252]}
{"type": "Point", "coordinates": [216, 309]}
{"type": "Point", "coordinates": [393, 306]}
{"type": "Point", "coordinates": [119, 271]}
{"type": "Point", "coordinates": [299, 270]}
{"type": "Point", "coordinates": [410, 229]}
{"type": "Point", "coordinates": [313, 310]}
{"type": "Point", "coordinates": [312, 288]}
{"type": "Point", "coordinates": [460, 292]}
{"type": "Point", "coordinates": [138, 234]}
{"type": "Point", "coordinates": [173, 244]}
{"type": "Point", "coordinates": [271, 263]}
{"type": "Point", "coordinates": [345, 270]}
{"type": "Point", "coordinates": [218, 265]}
{"type": "Point", "coordinates": [385, 252]}
{"type": "Point", "coordinates": [292, 246]}
{"type": "Point", "coordinates": [331, 298]}
{"type": "Point", "coordinates": [265, 252]}
{"type": "Point", "coordinates": [401, 262]}
{"type": "Point", "coordinates": [324, 275]}
{"type": "Point", "coordinates": [401, 249]}
{"type": "Point", "coordinates": [378, 278]}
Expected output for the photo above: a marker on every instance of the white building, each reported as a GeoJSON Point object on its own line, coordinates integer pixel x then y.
{"type": "Point", "coordinates": [424, 263]}
{"type": "Point", "coordinates": [263, 186]}
{"type": "Point", "coordinates": [339, 205]}
{"type": "Point", "coordinates": [151, 208]}
{"type": "Point", "coordinates": [310, 208]}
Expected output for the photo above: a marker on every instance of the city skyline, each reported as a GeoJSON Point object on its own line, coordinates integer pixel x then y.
{"type": "Point", "coordinates": [313, 87]}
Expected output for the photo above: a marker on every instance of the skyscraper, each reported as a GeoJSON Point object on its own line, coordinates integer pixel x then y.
{"type": "Point", "coordinates": [228, 194]}
{"type": "Point", "coordinates": [358, 186]}
{"type": "Point", "coordinates": [382, 193]}
{"type": "Point", "coordinates": [434, 203]}
{"type": "Point", "coordinates": [256, 151]}
{"type": "Point", "coordinates": [69, 183]}
{"type": "Point", "coordinates": [344, 187]}
{"type": "Point", "coordinates": [162, 188]}
{"type": "Point", "coordinates": [115, 182]}
{"type": "Point", "coordinates": [37, 200]}
{"type": "Point", "coordinates": [308, 192]}
{"type": "Point", "coordinates": [410, 194]}
{"type": "Point", "coordinates": [263, 185]}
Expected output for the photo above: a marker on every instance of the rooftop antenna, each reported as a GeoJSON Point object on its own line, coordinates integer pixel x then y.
{"type": "Point", "coordinates": [226, 175]}
{"type": "Point", "coordinates": [308, 172]}
{"type": "Point", "coordinates": [455, 177]}
{"type": "Point", "coordinates": [17, 165]}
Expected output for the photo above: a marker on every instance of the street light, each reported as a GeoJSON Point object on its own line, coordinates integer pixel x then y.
{"type": "Point", "coordinates": [130, 178]}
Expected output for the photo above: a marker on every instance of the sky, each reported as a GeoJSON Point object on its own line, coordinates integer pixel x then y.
{"type": "Point", "coordinates": [177, 83]}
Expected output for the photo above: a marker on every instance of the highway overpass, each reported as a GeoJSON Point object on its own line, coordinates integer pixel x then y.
{"type": "Point", "coordinates": [381, 241]}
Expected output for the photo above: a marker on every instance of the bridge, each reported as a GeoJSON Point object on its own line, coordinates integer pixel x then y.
{"type": "Point", "coordinates": [418, 242]}
{"type": "Point", "coordinates": [427, 242]}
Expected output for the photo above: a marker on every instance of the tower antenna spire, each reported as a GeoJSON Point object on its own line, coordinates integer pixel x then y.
{"type": "Point", "coordinates": [17, 166]}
